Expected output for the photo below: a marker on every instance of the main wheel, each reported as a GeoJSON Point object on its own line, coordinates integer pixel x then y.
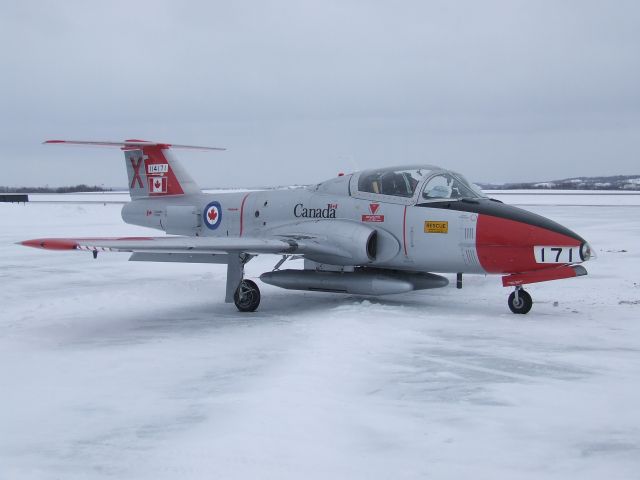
{"type": "Point", "coordinates": [247, 296]}
{"type": "Point", "coordinates": [523, 304]}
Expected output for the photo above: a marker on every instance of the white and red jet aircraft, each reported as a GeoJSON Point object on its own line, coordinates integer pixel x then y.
{"type": "Point", "coordinates": [374, 232]}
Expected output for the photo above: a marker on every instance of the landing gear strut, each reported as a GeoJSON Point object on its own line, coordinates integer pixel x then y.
{"type": "Point", "coordinates": [520, 301]}
{"type": "Point", "coordinates": [247, 296]}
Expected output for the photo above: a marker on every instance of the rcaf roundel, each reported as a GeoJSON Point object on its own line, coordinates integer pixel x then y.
{"type": "Point", "coordinates": [212, 215]}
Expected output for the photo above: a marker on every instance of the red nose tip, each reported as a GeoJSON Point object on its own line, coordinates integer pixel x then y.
{"type": "Point", "coordinates": [507, 246]}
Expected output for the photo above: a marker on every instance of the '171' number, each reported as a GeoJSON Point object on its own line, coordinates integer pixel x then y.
{"type": "Point", "coordinates": [549, 254]}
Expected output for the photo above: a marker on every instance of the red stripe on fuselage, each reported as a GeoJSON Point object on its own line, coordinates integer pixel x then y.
{"type": "Point", "coordinates": [242, 213]}
{"type": "Point", "coordinates": [506, 246]}
{"type": "Point", "coordinates": [404, 230]}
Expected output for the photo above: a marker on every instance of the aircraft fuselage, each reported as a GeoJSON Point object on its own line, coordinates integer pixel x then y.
{"type": "Point", "coordinates": [463, 236]}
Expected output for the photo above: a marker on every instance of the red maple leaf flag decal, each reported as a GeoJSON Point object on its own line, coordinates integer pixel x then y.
{"type": "Point", "coordinates": [213, 214]}
{"type": "Point", "coordinates": [158, 185]}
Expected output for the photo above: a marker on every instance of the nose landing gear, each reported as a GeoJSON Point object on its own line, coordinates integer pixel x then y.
{"type": "Point", "coordinates": [520, 301]}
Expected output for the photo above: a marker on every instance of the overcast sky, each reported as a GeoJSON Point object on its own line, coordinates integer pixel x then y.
{"type": "Point", "coordinates": [300, 90]}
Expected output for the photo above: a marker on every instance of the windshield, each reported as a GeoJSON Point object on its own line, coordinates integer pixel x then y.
{"type": "Point", "coordinates": [450, 186]}
{"type": "Point", "coordinates": [392, 181]}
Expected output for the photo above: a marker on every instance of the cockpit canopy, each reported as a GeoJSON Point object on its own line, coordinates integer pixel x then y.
{"type": "Point", "coordinates": [391, 181]}
{"type": "Point", "coordinates": [433, 182]}
{"type": "Point", "coordinates": [449, 186]}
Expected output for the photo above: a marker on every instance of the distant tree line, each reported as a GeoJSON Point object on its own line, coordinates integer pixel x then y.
{"type": "Point", "coordinates": [617, 182]}
{"type": "Point", "coordinates": [70, 189]}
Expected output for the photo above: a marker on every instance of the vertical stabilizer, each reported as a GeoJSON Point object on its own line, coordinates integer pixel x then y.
{"type": "Point", "coordinates": [154, 171]}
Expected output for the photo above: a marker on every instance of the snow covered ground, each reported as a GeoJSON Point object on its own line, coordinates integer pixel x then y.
{"type": "Point", "coordinates": [139, 370]}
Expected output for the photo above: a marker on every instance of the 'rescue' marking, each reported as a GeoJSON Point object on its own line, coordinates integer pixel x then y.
{"type": "Point", "coordinates": [432, 226]}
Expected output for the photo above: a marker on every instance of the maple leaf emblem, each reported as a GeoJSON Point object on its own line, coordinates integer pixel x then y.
{"type": "Point", "coordinates": [157, 184]}
{"type": "Point", "coordinates": [213, 214]}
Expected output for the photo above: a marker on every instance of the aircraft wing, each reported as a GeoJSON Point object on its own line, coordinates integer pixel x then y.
{"type": "Point", "coordinates": [338, 242]}
{"type": "Point", "coordinates": [205, 245]}
{"type": "Point", "coordinates": [189, 245]}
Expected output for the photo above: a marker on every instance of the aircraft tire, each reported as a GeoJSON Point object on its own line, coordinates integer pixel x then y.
{"type": "Point", "coordinates": [524, 303]}
{"type": "Point", "coordinates": [247, 296]}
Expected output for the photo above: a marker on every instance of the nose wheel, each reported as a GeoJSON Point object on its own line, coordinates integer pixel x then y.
{"type": "Point", "coordinates": [247, 296]}
{"type": "Point", "coordinates": [520, 301]}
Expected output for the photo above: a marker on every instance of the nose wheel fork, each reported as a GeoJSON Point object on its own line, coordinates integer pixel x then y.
{"type": "Point", "coordinates": [520, 301]}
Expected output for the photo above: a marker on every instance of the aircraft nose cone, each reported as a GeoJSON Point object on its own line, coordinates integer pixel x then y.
{"type": "Point", "coordinates": [510, 239]}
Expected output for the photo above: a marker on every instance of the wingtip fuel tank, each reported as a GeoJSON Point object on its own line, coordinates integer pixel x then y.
{"type": "Point", "coordinates": [364, 281]}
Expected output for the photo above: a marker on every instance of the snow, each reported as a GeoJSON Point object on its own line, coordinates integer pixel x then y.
{"type": "Point", "coordinates": [139, 370]}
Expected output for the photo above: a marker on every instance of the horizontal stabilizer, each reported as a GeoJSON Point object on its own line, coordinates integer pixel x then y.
{"type": "Point", "coordinates": [152, 168]}
{"type": "Point", "coordinates": [130, 144]}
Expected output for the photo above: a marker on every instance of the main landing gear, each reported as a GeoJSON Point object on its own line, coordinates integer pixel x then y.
{"type": "Point", "coordinates": [520, 301]}
{"type": "Point", "coordinates": [247, 296]}
{"type": "Point", "coordinates": [244, 293]}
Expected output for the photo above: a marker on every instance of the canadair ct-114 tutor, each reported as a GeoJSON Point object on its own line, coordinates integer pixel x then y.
{"type": "Point", "coordinates": [375, 232]}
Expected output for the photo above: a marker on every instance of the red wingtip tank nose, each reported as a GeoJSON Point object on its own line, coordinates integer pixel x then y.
{"type": "Point", "coordinates": [31, 243]}
{"type": "Point", "coordinates": [50, 243]}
